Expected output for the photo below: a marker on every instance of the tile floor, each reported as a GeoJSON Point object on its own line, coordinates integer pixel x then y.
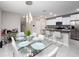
{"type": "Point", "coordinates": [6, 51]}
{"type": "Point", "coordinates": [71, 51]}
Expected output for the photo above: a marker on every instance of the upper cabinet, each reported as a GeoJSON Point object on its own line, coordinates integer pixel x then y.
{"type": "Point", "coordinates": [77, 15]}
{"type": "Point", "coordinates": [66, 21]}
{"type": "Point", "coordinates": [74, 17]}
{"type": "Point", "coordinates": [51, 22]}
{"type": "Point", "coordinates": [59, 19]}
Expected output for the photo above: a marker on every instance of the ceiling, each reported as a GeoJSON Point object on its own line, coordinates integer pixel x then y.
{"type": "Point", "coordinates": [40, 7]}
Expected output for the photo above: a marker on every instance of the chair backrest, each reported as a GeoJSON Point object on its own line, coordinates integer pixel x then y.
{"type": "Point", "coordinates": [16, 52]}
{"type": "Point", "coordinates": [13, 43]}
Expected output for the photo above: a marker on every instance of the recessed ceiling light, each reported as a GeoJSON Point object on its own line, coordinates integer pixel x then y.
{"type": "Point", "coordinates": [77, 9]}
{"type": "Point", "coordinates": [50, 13]}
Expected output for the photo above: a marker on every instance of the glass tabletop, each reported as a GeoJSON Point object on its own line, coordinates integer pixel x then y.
{"type": "Point", "coordinates": [32, 48]}
{"type": "Point", "coordinates": [38, 46]}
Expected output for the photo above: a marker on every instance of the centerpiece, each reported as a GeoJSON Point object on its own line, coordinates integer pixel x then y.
{"type": "Point", "coordinates": [28, 18]}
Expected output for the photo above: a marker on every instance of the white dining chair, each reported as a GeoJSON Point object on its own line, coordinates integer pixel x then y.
{"type": "Point", "coordinates": [20, 36]}
{"type": "Point", "coordinates": [15, 49]}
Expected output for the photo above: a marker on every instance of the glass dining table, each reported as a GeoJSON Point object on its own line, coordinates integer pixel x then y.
{"type": "Point", "coordinates": [30, 47]}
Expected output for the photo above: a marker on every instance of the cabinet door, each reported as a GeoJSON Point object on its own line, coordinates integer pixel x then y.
{"type": "Point", "coordinates": [73, 17]}
{"type": "Point", "coordinates": [66, 21]}
{"type": "Point", "coordinates": [51, 22]}
{"type": "Point", "coordinates": [59, 19]}
{"type": "Point", "coordinates": [77, 15]}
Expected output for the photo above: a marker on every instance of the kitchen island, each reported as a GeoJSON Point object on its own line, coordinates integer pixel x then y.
{"type": "Point", "coordinates": [60, 35]}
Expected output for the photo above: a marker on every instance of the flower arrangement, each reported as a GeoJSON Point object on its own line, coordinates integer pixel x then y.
{"type": "Point", "coordinates": [27, 33]}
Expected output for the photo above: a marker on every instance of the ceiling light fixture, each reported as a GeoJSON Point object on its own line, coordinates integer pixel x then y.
{"type": "Point", "coordinates": [50, 13]}
{"type": "Point", "coordinates": [54, 15]}
{"type": "Point", "coordinates": [28, 15]}
{"type": "Point", "coordinates": [77, 9]}
{"type": "Point", "coordinates": [28, 2]}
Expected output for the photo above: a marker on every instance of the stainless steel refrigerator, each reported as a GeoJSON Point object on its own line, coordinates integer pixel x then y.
{"type": "Point", "coordinates": [74, 34]}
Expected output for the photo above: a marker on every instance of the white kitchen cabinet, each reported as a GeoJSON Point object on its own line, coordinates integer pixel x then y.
{"type": "Point", "coordinates": [77, 15]}
{"type": "Point", "coordinates": [74, 17]}
{"type": "Point", "coordinates": [59, 19]}
{"type": "Point", "coordinates": [51, 22]}
{"type": "Point", "coordinates": [66, 21]}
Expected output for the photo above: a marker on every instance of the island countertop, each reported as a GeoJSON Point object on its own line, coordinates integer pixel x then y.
{"type": "Point", "coordinates": [61, 30]}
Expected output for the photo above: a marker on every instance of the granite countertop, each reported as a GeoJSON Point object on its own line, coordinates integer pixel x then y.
{"type": "Point", "coordinates": [61, 30]}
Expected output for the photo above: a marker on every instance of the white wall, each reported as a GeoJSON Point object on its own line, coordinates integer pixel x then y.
{"type": "Point", "coordinates": [0, 24]}
{"type": "Point", "coordinates": [10, 20]}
